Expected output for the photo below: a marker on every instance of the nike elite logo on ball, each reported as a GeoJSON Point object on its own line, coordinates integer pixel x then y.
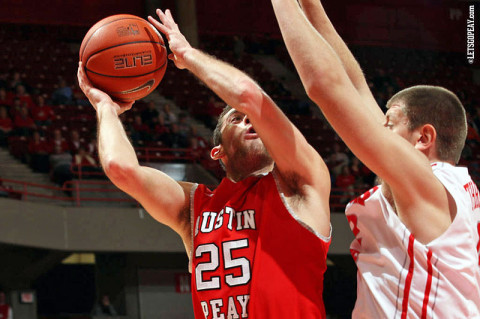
{"type": "Point", "coordinates": [147, 85]}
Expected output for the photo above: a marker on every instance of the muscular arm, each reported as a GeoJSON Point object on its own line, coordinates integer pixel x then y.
{"type": "Point", "coordinates": [297, 162]}
{"type": "Point", "coordinates": [317, 16]}
{"type": "Point", "coordinates": [165, 199]}
{"type": "Point", "coordinates": [407, 171]}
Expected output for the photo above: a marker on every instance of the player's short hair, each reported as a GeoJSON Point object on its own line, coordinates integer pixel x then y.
{"type": "Point", "coordinates": [217, 133]}
{"type": "Point", "coordinates": [425, 104]}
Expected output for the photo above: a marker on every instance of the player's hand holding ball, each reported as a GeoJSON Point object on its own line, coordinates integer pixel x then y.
{"type": "Point", "coordinates": [176, 40]}
{"type": "Point", "coordinates": [98, 97]}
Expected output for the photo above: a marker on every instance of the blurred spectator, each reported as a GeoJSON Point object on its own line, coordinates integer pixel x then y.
{"type": "Point", "coordinates": [169, 117]}
{"type": "Point", "coordinates": [160, 131]}
{"type": "Point", "coordinates": [3, 79]}
{"type": "Point", "coordinates": [174, 139]}
{"type": "Point", "coordinates": [184, 130]}
{"type": "Point", "coordinates": [140, 132]}
{"type": "Point", "coordinates": [42, 114]}
{"type": "Point", "coordinates": [150, 114]}
{"type": "Point", "coordinates": [5, 97]}
{"type": "Point", "coordinates": [345, 181]}
{"type": "Point", "coordinates": [23, 123]}
{"type": "Point", "coordinates": [200, 147]}
{"type": "Point", "coordinates": [91, 147]}
{"type": "Point", "coordinates": [78, 96]}
{"type": "Point", "coordinates": [6, 126]}
{"type": "Point", "coordinates": [39, 153]}
{"type": "Point", "coordinates": [16, 107]}
{"type": "Point", "coordinates": [24, 96]}
{"type": "Point", "coordinates": [60, 166]}
{"type": "Point", "coordinates": [85, 164]}
{"type": "Point", "coordinates": [104, 308]}
{"type": "Point", "coordinates": [59, 141]}
{"type": "Point", "coordinates": [63, 94]}
{"type": "Point", "coordinates": [75, 142]}
{"type": "Point", "coordinates": [5, 309]}
{"type": "Point", "coordinates": [337, 160]}
{"type": "Point", "coordinates": [16, 81]}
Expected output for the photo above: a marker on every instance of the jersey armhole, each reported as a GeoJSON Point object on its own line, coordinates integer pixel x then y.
{"type": "Point", "coordinates": [295, 216]}
{"type": "Point", "coordinates": [192, 224]}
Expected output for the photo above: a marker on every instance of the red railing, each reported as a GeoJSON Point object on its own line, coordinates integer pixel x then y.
{"type": "Point", "coordinates": [157, 154]}
{"type": "Point", "coordinates": [144, 154]}
{"type": "Point", "coordinates": [74, 192]}
{"type": "Point", "coordinates": [70, 192]}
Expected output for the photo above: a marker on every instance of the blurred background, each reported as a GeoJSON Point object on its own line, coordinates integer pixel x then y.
{"type": "Point", "coordinates": [73, 246]}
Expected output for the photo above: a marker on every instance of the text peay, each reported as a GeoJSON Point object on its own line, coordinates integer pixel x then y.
{"type": "Point", "coordinates": [233, 307]}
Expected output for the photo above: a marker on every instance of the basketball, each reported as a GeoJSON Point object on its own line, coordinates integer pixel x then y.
{"type": "Point", "coordinates": [124, 56]}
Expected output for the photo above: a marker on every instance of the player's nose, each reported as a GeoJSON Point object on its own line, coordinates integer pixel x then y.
{"type": "Point", "coordinates": [246, 120]}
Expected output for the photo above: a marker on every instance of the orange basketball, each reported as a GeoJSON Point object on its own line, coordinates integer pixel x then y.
{"type": "Point", "coordinates": [124, 56]}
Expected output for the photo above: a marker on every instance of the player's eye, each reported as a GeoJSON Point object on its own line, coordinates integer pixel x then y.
{"type": "Point", "coordinates": [236, 118]}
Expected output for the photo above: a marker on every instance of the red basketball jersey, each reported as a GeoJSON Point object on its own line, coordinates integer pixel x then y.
{"type": "Point", "coordinates": [252, 257]}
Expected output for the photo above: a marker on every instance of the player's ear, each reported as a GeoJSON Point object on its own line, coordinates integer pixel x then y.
{"type": "Point", "coordinates": [217, 152]}
{"type": "Point", "coordinates": [427, 137]}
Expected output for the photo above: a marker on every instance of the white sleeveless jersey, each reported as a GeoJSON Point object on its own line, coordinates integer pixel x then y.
{"type": "Point", "coordinates": [399, 277]}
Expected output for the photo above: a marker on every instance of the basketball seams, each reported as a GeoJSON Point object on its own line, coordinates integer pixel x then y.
{"type": "Point", "coordinates": [125, 17]}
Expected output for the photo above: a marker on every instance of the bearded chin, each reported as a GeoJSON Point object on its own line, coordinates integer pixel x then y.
{"type": "Point", "coordinates": [248, 160]}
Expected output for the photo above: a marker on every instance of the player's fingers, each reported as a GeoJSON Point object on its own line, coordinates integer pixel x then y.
{"type": "Point", "coordinates": [168, 13]}
{"type": "Point", "coordinates": [158, 25]}
{"type": "Point", "coordinates": [81, 77]}
{"type": "Point", "coordinates": [162, 17]}
{"type": "Point", "coordinates": [173, 24]}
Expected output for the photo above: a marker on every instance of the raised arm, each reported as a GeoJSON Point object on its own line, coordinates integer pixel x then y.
{"type": "Point", "coordinates": [315, 13]}
{"type": "Point", "coordinates": [406, 170]}
{"type": "Point", "coordinates": [165, 199]}
{"type": "Point", "coordinates": [295, 159]}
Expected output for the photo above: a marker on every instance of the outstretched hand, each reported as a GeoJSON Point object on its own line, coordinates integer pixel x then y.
{"type": "Point", "coordinates": [176, 40]}
{"type": "Point", "coordinates": [96, 96]}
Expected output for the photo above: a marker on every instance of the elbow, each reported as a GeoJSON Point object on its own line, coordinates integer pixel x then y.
{"type": "Point", "coordinates": [118, 172]}
{"type": "Point", "coordinates": [320, 85]}
{"type": "Point", "coordinates": [249, 96]}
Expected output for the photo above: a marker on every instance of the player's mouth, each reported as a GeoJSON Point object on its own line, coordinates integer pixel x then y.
{"type": "Point", "coordinates": [251, 134]}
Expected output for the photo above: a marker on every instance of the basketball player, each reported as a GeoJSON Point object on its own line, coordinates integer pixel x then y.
{"type": "Point", "coordinates": [417, 239]}
{"type": "Point", "coordinates": [258, 243]}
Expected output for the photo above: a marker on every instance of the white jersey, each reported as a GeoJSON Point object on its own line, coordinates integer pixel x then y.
{"type": "Point", "coordinates": [399, 277]}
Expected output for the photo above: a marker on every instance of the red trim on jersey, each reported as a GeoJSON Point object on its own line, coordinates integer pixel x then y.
{"type": "Point", "coordinates": [429, 284]}
{"type": "Point", "coordinates": [408, 280]}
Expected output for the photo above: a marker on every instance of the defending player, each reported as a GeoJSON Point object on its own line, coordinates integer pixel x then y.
{"type": "Point", "coordinates": [417, 239]}
{"type": "Point", "coordinates": [258, 243]}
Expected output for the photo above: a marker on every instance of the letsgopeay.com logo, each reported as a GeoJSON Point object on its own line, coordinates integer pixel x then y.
{"type": "Point", "coordinates": [471, 34]}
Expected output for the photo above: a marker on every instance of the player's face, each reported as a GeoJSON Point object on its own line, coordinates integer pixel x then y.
{"type": "Point", "coordinates": [397, 122]}
{"type": "Point", "coordinates": [241, 142]}
{"type": "Point", "coordinates": [238, 132]}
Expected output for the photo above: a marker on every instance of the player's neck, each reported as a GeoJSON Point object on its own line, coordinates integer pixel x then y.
{"type": "Point", "coordinates": [237, 176]}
